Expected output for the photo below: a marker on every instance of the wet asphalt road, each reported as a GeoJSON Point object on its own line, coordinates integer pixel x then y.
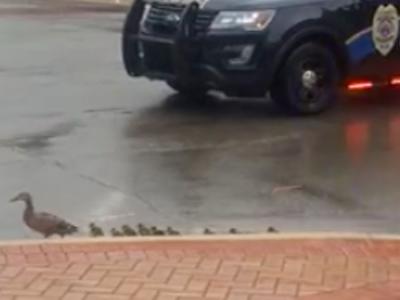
{"type": "Point", "coordinates": [91, 143]}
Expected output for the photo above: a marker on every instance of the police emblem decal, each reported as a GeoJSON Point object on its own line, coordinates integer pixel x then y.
{"type": "Point", "coordinates": [385, 28]}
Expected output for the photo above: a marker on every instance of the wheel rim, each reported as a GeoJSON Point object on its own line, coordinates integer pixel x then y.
{"type": "Point", "coordinates": [311, 83]}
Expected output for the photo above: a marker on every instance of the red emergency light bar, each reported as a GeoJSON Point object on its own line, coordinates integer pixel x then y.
{"type": "Point", "coordinates": [362, 85]}
{"type": "Point", "coordinates": [395, 81]}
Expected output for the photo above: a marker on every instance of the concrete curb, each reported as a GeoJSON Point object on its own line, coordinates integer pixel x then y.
{"type": "Point", "coordinates": [205, 238]}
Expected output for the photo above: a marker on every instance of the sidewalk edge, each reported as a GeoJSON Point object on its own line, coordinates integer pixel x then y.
{"type": "Point", "coordinates": [205, 238]}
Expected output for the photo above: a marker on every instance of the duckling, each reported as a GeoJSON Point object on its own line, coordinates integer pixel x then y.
{"type": "Point", "coordinates": [155, 231]}
{"type": "Point", "coordinates": [171, 231]}
{"type": "Point", "coordinates": [208, 231]}
{"type": "Point", "coordinates": [272, 229]}
{"type": "Point", "coordinates": [143, 230]}
{"type": "Point", "coordinates": [115, 232]}
{"type": "Point", "coordinates": [233, 231]}
{"type": "Point", "coordinates": [95, 230]}
{"type": "Point", "coordinates": [160, 232]}
{"type": "Point", "coordinates": [128, 231]}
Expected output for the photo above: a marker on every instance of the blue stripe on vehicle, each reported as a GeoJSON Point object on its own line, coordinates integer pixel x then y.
{"type": "Point", "coordinates": [360, 45]}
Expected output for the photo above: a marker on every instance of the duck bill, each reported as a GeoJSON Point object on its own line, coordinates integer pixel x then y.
{"type": "Point", "coordinates": [14, 199]}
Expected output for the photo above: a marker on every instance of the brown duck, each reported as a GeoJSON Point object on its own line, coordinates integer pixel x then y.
{"type": "Point", "coordinates": [42, 222]}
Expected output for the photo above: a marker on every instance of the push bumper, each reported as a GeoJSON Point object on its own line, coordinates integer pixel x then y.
{"type": "Point", "coordinates": [186, 57]}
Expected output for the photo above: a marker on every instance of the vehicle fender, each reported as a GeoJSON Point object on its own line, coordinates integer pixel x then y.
{"type": "Point", "coordinates": [308, 33]}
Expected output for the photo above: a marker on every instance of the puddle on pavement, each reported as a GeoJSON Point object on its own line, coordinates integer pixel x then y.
{"type": "Point", "coordinates": [220, 162]}
{"type": "Point", "coordinates": [337, 158]}
{"type": "Point", "coordinates": [37, 141]}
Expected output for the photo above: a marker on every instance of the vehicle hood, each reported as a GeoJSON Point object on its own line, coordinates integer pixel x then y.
{"type": "Point", "coordinates": [251, 4]}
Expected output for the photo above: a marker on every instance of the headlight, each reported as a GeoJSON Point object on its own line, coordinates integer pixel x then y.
{"type": "Point", "coordinates": [247, 20]}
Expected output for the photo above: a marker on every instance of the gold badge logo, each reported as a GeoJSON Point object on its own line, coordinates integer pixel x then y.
{"type": "Point", "coordinates": [385, 28]}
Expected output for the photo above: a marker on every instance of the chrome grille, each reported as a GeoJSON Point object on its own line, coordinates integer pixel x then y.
{"type": "Point", "coordinates": [156, 21]}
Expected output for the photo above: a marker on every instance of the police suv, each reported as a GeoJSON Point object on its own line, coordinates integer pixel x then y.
{"type": "Point", "coordinates": [298, 51]}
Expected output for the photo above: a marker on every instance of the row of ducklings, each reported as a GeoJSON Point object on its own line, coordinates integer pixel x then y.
{"type": "Point", "coordinates": [142, 230]}
{"type": "Point", "coordinates": [126, 230]}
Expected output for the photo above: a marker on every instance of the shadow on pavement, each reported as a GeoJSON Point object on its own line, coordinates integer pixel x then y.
{"type": "Point", "coordinates": [217, 106]}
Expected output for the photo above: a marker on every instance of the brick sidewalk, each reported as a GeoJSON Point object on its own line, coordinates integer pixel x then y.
{"type": "Point", "coordinates": [237, 270]}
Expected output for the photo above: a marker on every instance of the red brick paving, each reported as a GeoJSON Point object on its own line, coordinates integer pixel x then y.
{"type": "Point", "coordinates": [192, 270]}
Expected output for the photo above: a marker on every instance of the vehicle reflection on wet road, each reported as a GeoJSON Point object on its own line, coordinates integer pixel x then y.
{"type": "Point", "coordinates": [89, 142]}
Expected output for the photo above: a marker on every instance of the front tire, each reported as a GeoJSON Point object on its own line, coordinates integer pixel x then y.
{"type": "Point", "coordinates": [307, 83]}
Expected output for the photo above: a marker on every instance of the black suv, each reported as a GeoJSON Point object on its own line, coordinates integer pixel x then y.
{"type": "Point", "coordinates": [300, 51]}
